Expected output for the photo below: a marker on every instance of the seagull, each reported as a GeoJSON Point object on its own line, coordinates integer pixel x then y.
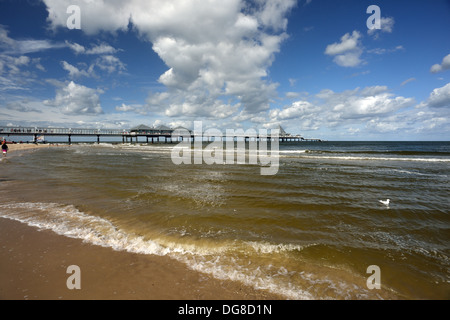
{"type": "Point", "coordinates": [385, 202]}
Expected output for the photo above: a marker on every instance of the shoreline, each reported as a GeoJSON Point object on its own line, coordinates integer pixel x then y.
{"type": "Point", "coordinates": [25, 146]}
{"type": "Point", "coordinates": [33, 265]}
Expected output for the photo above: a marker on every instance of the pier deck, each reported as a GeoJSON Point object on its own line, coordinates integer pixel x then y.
{"type": "Point", "coordinates": [152, 136]}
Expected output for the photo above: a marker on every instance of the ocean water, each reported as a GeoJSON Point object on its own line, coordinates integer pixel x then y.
{"type": "Point", "coordinates": [309, 232]}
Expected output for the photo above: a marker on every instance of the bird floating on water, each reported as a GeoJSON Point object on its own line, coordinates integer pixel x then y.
{"type": "Point", "coordinates": [385, 202]}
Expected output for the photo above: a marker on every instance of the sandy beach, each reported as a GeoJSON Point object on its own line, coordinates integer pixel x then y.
{"type": "Point", "coordinates": [34, 266]}
{"type": "Point", "coordinates": [20, 147]}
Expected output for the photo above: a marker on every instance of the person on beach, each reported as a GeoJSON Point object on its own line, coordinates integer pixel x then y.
{"type": "Point", "coordinates": [4, 148]}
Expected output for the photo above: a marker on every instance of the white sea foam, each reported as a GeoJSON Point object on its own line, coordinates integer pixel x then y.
{"type": "Point", "coordinates": [363, 158]}
{"type": "Point", "coordinates": [266, 247]}
{"type": "Point", "coordinates": [294, 151]}
{"type": "Point", "coordinates": [420, 173]}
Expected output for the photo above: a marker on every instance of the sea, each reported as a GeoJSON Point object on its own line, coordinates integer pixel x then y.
{"type": "Point", "coordinates": [320, 228]}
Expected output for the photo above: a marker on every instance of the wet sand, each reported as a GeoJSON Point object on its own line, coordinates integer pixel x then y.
{"type": "Point", "coordinates": [19, 147]}
{"type": "Point", "coordinates": [33, 265]}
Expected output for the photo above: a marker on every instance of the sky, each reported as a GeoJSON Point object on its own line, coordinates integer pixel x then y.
{"type": "Point", "coordinates": [318, 68]}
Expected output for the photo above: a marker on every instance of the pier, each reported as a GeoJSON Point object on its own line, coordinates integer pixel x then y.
{"type": "Point", "coordinates": [151, 135]}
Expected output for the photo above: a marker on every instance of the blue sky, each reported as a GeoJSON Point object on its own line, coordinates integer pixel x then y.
{"type": "Point", "coordinates": [311, 66]}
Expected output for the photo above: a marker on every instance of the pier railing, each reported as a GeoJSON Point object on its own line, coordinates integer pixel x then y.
{"type": "Point", "coordinates": [60, 131]}
{"type": "Point", "coordinates": [6, 131]}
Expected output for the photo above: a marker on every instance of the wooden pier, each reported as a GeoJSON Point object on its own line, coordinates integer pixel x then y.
{"type": "Point", "coordinates": [151, 135]}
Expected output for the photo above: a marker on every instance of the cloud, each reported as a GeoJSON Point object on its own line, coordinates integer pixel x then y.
{"type": "Point", "coordinates": [372, 108]}
{"type": "Point", "coordinates": [77, 48]}
{"type": "Point", "coordinates": [273, 13]}
{"type": "Point", "coordinates": [14, 63]}
{"type": "Point", "coordinates": [217, 52]}
{"type": "Point", "coordinates": [102, 49]}
{"type": "Point", "coordinates": [20, 47]}
{"type": "Point", "coordinates": [445, 65]}
{"type": "Point", "coordinates": [8, 84]}
{"type": "Point", "coordinates": [298, 109]}
{"type": "Point", "coordinates": [350, 59]}
{"type": "Point", "coordinates": [37, 63]}
{"type": "Point", "coordinates": [292, 95]}
{"type": "Point", "coordinates": [21, 106]}
{"type": "Point", "coordinates": [125, 108]}
{"type": "Point", "coordinates": [31, 46]}
{"type": "Point", "coordinates": [26, 111]}
{"type": "Point", "coordinates": [98, 49]}
{"type": "Point", "coordinates": [380, 51]}
{"type": "Point", "coordinates": [407, 81]}
{"type": "Point", "coordinates": [75, 99]}
{"type": "Point", "coordinates": [136, 108]}
{"type": "Point", "coordinates": [15, 72]}
{"type": "Point", "coordinates": [347, 52]}
{"type": "Point", "coordinates": [387, 26]}
{"type": "Point", "coordinates": [74, 72]}
{"type": "Point", "coordinates": [106, 61]}
{"type": "Point", "coordinates": [363, 103]}
{"type": "Point", "coordinates": [439, 98]}
{"type": "Point", "coordinates": [4, 38]}
{"type": "Point", "coordinates": [348, 43]}
{"type": "Point", "coordinates": [366, 113]}
{"type": "Point", "coordinates": [369, 106]}
{"type": "Point", "coordinates": [110, 64]}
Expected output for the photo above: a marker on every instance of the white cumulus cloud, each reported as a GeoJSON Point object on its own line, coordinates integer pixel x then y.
{"type": "Point", "coordinates": [373, 108]}
{"type": "Point", "coordinates": [386, 24]}
{"type": "Point", "coordinates": [440, 97]}
{"type": "Point", "coordinates": [347, 52]}
{"type": "Point", "coordinates": [74, 99]}
{"type": "Point", "coordinates": [444, 65]}
{"type": "Point", "coordinates": [217, 52]}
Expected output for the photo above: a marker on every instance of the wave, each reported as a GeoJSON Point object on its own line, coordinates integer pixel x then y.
{"type": "Point", "coordinates": [360, 158]}
{"type": "Point", "coordinates": [383, 152]}
{"type": "Point", "coordinates": [70, 222]}
{"type": "Point", "coordinates": [381, 155]}
{"type": "Point", "coordinates": [67, 220]}
{"type": "Point", "coordinates": [269, 248]}
{"type": "Point", "coordinates": [295, 151]}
